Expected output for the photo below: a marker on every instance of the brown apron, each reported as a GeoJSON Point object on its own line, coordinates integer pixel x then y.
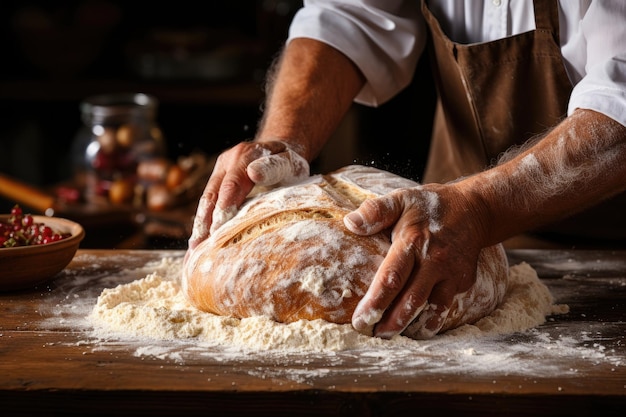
{"type": "Point", "coordinates": [497, 94]}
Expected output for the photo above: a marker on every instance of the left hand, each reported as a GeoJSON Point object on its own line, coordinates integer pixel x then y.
{"type": "Point", "coordinates": [433, 257]}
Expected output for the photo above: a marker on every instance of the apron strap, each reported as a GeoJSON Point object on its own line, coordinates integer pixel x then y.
{"type": "Point", "coordinates": [547, 17]}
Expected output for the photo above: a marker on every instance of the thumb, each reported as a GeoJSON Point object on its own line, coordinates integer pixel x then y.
{"type": "Point", "coordinates": [283, 167]}
{"type": "Point", "coordinates": [374, 215]}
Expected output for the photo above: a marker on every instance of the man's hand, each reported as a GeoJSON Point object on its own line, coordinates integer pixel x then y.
{"type": "Point", "coordinates": [433, 257]}
{"type": "Point", "coordinates": [236, 172]}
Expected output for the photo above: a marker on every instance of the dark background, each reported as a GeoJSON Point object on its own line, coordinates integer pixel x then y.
{"type": "Point", "coordinates": [55, 54]}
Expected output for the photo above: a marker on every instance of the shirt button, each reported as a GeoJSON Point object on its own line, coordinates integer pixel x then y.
{"type": "Point", "coordinates": [497, 3]}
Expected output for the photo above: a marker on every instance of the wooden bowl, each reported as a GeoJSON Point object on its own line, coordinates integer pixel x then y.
{"type": "Point", "coordinates": [27, 266]}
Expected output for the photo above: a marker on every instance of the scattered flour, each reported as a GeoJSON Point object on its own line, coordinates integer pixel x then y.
{"type": "Point", "coordinates": [149, 318]}
{"type": "Point", "coordinates": [154, 307]}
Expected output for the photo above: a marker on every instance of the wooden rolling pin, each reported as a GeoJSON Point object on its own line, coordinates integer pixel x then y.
{"type": "Point", "coordinates": [25, 194]}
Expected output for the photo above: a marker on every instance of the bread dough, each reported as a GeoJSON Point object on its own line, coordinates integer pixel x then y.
{"type": "Point", "coordinates": [154, 309]}
{"type": "Point", "coordinates": [287, 255]}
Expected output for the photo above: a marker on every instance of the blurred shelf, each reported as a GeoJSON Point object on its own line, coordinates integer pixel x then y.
{"type": "Point", "coordinates": [188, 92]}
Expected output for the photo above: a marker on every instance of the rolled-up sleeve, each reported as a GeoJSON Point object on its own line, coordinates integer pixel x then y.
{"type": "Point", "coordinates": [603, 85]}
{"type": "Point", "coordinates": [384, 38]}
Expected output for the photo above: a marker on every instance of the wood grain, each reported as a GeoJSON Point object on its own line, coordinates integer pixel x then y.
{"type": "Point", "coordinates": [50, 366]}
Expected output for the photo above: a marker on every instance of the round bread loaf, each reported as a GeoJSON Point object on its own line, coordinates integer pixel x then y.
{"type": "Point", "coordinates": [287, 255]}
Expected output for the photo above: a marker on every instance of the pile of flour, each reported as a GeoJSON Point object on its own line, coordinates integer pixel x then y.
{"type": "Point", "coordinates": [154, 307]}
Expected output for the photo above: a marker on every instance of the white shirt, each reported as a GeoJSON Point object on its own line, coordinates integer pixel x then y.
{"type": "Point", "coordinates": [385, 38]}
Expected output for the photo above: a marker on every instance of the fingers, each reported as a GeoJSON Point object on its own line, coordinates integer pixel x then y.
{"type": "Point", "coordinates": [283, 167]}
{"type": "Point", "coordinates": [396, 281]}
{"type": "Point", "coordinates": [201, 222]}
{"type": "Point", "coordinates": [418, 306]}
{"type": "Point", "coordinates": [218, 203]}
{"type": "Point", "coordinates": [225, 191]}
{"type": "Point", "coordinates": [235, 174]}
{"type": "Point", "coordinates": [400, 288]}
{"type": "Point", "coordinates": [374, 215]}
{"type": "Point", "coordinates": [269, 163]}
{"type": "Point", "coordinates": [433, 317]}
{"type": "Point", "coordinates": [206, 206]}
{"type": "Point", "coordinates": [414, 286]}
{"type": "Point", "coordinates": [392, 276]}
{"type": "Point", "coordinates": [233, 189]}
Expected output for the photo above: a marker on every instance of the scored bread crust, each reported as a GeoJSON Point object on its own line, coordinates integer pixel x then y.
{"type": "Point", "coordinates": [287, 255]}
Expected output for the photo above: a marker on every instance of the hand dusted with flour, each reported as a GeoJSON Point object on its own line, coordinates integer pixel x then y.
{"type": "Point", "coordinates": [438, 230]}
{"type": "Point", "coordinates": [236, 172]}
{"type": "Point", "coordinates": [287, 255]}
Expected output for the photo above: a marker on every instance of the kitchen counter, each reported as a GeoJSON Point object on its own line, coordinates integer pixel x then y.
{"type": "Point", "coordinates": [574, 364]}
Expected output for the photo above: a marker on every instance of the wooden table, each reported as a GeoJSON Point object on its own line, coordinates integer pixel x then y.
{"type": "Point", "coordinates": [576, 365]}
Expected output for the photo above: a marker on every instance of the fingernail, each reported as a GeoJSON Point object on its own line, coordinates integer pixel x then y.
{"type": "Point", "coordinates": [354, 219]}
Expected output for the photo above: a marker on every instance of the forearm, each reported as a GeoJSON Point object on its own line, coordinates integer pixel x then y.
{"type": "Point", "coordinates": [576, 165]}
{"type": "Point", "coordinates": [311, 91]}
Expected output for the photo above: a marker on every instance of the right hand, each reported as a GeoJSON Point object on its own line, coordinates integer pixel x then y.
{"type": "Point", "coordinates": [435, 244]}
{"type": "Point", "coordinates": [236, 172]}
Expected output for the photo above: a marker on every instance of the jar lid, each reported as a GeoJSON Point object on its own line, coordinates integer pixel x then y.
{"type": "Point", "coordinates": [106, 105]}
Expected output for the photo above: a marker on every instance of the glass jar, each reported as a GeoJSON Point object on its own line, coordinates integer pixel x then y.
{"type": "Point", "coordinates": [118, 132]}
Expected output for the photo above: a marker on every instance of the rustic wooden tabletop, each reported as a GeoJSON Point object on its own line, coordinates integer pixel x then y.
{"type": "Point", "coordinates": [574, 364]}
